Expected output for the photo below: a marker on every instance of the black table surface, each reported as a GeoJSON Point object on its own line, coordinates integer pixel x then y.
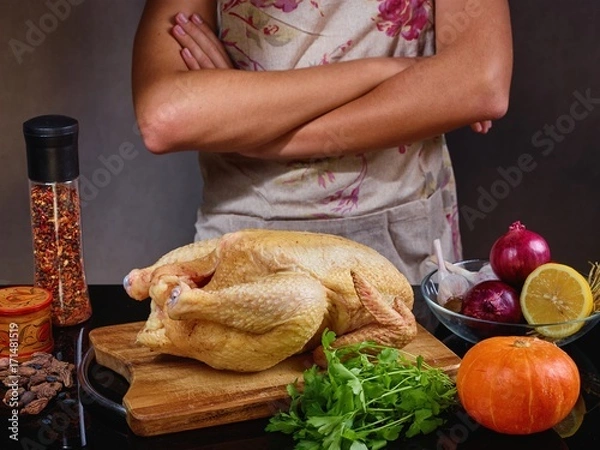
{"type": "Point", "coordinates": [75, 421]}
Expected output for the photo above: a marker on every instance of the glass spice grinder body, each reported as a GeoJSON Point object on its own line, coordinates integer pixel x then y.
{"type": "Point", "coordinates": [53, 171]}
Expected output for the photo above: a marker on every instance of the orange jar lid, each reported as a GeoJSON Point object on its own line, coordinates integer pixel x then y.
{"type": "Point", "coordinates": [20, 300]}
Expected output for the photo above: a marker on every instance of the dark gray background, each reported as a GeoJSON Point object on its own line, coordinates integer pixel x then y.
{"type": "Point", "coordinates": [557, 59]}
{"type": "Point", "coordinates": [138, 206]}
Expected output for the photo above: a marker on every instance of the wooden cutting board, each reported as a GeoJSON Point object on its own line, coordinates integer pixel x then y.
{"type": "Point", "coordinates": [170, 394]}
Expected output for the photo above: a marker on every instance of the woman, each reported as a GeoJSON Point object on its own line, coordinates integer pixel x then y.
{"type": "Point", "coordinates": [324, 115]}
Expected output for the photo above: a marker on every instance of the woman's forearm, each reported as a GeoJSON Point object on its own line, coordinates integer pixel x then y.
{"type": "Point", "coordinates": [395, 112]}
{"type": "Point", "coordinates": [231, 110]}
{"type": "Point", "coordinates": [347, 107]}
{"type": "Point", "coordinates": [468, 80]}
{"type": "Point", "coordinates": [226, 110]}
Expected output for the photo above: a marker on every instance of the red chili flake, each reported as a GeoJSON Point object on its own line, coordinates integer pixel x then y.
{"type": "Point", "coordinates": [57, 250]}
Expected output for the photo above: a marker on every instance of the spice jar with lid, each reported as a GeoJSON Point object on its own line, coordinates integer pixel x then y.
{"type": "Point", "coordinates": [53, 171]}
{"type": "Point", "coordinates": [25, 322]}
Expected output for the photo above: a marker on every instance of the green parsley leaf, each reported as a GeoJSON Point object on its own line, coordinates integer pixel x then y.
{"type": "Point", "coordinates": [368, 396]}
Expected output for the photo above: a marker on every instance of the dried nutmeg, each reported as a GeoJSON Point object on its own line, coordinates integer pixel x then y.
{"type": "Point", "coordinates": [41, 359]}
{"type": "Point", "coordinates": [35, 406]}
{"type": "Point", "coordinates": [46, 390]}
{"type": "Point", "coordinates": [26, 398]}
{"type": "Point", "coordinates": [40, 379]}
{"type": "Point", "coordinates": [26, 371]}
{"type": "Point", "coordinates": [9, 396]}
{"type": "Point", "coordinates": [37, 378]}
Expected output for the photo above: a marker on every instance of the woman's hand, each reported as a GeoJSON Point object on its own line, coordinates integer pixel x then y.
{"type": "Point", "coordinates": [200, 47]}
{"type": "Point", "coordinates": [482, 127]}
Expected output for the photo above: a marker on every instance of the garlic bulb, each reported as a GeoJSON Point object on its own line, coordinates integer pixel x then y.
{"type": "Point", "coordinates": [483, 274]}
{"type": "Point", "coordinates": [450, 285]}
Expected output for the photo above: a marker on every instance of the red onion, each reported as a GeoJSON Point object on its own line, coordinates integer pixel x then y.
{"type": "Point", "coordinates": [492, 300]}
{"type": "Point", "coordinates": [517, 253]}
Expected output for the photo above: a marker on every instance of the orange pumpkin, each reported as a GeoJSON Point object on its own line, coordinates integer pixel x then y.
{"type": "Point", "coordinates": [517, 385]}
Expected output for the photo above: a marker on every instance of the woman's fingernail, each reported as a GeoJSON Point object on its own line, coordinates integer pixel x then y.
{"type": "Point", "coordinates": [181, 18]}
{"type": "Point", "coordinates": [180, 31]}
{"type": "Point", "coordinates": [196, 19]}
{"type": "Point", "coordinates": [186, 52]}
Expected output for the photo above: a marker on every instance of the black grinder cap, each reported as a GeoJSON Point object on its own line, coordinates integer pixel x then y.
{"type": "Point", "coordinates": [52, 149]}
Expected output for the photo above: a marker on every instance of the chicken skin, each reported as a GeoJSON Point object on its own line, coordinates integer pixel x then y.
{"type": "Point", "coordinates": [252, 298]}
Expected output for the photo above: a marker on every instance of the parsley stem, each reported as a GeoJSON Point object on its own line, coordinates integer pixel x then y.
{"type": "Point", "coordinates": [388, 393]}
{"type": "Point", "coordinates": [372, 428]}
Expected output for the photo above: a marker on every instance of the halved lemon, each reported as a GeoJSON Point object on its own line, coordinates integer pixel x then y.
{"type": "Point", "coordinates": [555, 293]}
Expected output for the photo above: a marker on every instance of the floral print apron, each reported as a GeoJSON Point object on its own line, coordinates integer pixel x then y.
{"type": "Point", "coordinates": [396, 200]}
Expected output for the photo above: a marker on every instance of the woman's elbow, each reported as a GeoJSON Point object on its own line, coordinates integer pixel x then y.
{"type": "Point", "coordinates": [155, 139]}
{"type": "Point", "coordinates": [160, 117]}
{"type": "Point", "coordinates": [156, 129]}
{"type": "Point", "coordinates": [495, 93]}
{"type": "Point", "coordinates": [498, 102]}
{"type": "Point", "coordinates": [494, 105]}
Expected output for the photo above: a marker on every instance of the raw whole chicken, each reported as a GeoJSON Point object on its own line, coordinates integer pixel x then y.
{"type": "Point", "coordinates": [252, 298]}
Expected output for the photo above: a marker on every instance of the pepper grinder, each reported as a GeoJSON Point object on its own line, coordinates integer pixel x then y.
{"type": "Point", "coordinates": [53, 171]}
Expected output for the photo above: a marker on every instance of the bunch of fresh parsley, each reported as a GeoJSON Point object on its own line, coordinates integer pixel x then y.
{"type": "Point", "coordinates": [369, 395]}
